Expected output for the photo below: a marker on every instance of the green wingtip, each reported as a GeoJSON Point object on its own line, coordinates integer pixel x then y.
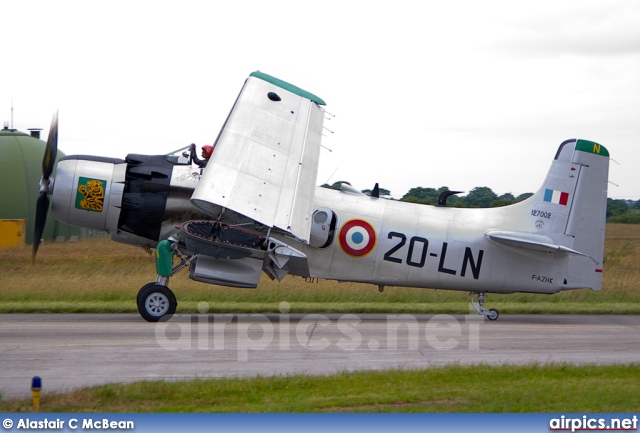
{"type": "Point", "coordinates": [287, 86]}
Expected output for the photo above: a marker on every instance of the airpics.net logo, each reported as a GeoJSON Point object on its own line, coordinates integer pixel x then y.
{"type": "Point", "coordinates": [590, 423]}
{"type": "Point", "coordinates": [251, 333]}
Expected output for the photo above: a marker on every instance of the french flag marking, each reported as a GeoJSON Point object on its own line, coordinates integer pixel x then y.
{"type": "Point", "coordinates": [557, 197]}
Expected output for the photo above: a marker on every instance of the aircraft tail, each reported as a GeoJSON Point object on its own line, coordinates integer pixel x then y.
{"type": "Point", "coordinates": [568, 213]}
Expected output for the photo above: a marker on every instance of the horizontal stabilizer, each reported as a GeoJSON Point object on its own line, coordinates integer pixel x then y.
{"type": "Point", "coordinates": [531, 242]}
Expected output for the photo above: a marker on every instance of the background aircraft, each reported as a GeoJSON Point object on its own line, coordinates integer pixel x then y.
{"type": "Point", "coordinates": [256, 208]}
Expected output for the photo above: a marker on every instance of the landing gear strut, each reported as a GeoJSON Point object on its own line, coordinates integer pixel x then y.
{"type": "Point", "coordinates": [479, 306]}
{"type": "Point", "coordinates": [155, 300]}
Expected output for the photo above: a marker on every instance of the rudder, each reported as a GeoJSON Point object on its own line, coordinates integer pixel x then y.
{"type": "Point", "coordinates": [588, 214]}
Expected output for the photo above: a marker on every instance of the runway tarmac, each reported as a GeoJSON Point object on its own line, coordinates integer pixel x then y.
{"type": "Point", "coordinates": [75, 350]}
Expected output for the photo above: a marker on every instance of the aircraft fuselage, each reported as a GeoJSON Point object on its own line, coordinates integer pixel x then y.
{"type": "Point", "coordinates": [392, 243]}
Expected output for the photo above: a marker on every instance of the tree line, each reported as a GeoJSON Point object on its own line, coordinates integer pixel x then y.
{"type": "Point", "coordinates": [618, 211]}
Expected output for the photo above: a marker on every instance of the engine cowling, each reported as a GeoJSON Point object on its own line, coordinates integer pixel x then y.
{"type": "Point", "coordinates": [138, 200]}
{"type": "Point", "coordinates": [88, 191]}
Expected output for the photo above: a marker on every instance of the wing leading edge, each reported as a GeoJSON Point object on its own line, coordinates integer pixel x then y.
{"type": "Point", "coordinates": [265, 162]}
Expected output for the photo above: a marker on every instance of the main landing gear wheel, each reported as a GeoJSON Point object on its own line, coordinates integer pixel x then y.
{"type": "Point", "coordinates": [155, 302]}
{"type": "Point", "coordinates": [493, 314]}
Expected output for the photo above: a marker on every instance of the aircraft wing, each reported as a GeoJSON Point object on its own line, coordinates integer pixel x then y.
{"type": "Point", "coordinates": [265, 163]}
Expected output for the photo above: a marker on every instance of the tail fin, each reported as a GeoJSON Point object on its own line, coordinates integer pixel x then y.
{"type": "Point", "coordinates": [567, 215]}
{"type": "Point", "coordinates": [573, 199]}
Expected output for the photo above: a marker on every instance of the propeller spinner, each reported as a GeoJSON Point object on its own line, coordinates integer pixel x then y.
{"type": "Point", "coordinates": [42, 205]}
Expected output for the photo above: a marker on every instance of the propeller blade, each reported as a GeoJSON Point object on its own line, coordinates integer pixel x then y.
{"type": "Point", "coordinates": [42, 207]}
{"type": "Point", "coordinates": [51, 150]}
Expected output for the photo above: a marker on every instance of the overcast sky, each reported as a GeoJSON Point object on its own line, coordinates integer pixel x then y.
{"type": "Point", "coordinates": [424, 93]}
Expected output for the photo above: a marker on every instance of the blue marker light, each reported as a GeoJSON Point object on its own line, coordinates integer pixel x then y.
{"type": "Point", "coordinates": [36, 382]}
{"type": "Point", "coordinates": [36, 386]}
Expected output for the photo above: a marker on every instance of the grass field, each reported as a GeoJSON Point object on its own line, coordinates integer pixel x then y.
{"type": "Point", "coordinates": [103, 276]}
{"type": "Point", "coordinates": [534, 388]}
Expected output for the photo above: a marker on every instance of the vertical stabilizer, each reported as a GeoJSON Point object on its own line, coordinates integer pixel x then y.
{"type": "Point", "coordinates": [572, 207]}
{"type": "Point", "coordinates": [566, 217]}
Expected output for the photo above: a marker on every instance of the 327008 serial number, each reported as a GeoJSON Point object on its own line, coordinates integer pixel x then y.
{"type": "Point", "coordinates": [541, 214]}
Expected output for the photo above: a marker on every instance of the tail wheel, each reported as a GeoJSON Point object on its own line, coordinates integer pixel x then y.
{"type": "Point", "coordinates": [156, 302]}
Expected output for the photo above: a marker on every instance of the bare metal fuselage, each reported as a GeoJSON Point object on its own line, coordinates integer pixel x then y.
{"type": "Point", "coordinates": [256, 208]}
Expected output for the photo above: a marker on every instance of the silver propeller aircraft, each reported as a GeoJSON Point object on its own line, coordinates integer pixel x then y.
{"type": "Point", "coordinates": [256, 208]}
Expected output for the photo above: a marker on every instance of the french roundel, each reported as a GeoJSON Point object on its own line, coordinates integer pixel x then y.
{"type": "Point", "coordinates": [357, 238]}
